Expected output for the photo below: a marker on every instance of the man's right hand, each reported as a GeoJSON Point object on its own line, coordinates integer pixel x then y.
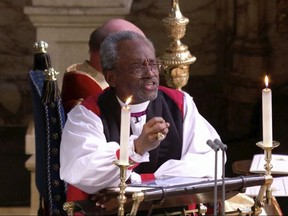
{"type": "Point", "coordinates": [149, 138]}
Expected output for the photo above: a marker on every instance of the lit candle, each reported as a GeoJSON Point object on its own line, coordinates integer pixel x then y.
{"type": "Point", "coordinates": [267, 115]}
{"type": "Point", "coordinates": [125, 132]}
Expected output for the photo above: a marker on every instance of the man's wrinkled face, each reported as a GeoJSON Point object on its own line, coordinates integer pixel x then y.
{"type": "Point", "coordinates": [136, 72]}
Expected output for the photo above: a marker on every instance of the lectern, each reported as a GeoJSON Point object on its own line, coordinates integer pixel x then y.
{"type": "Point", "coordinates": [152, 197]}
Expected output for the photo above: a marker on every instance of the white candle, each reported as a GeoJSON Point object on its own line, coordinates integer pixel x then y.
{"type": "Point", "coordinates": [125, 132]}
{"type": "Point", "coordinates": [267, 115]}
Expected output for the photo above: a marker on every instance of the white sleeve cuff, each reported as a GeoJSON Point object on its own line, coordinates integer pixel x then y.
{"type": "Point", "coordinates": [133, 155]}
{"type": "Point", "coordinates": [135, 178]}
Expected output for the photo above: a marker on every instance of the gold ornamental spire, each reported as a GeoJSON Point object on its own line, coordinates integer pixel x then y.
{"type": "Point", "coordinates": [177, 58]}
{"type": "Point", "coordinates": [40, 47]}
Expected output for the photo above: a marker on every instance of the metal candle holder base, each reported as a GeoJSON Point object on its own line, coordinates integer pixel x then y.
{"type": "Point", "coordinates": [122, 198]}
{"type": "Point", "coordinates": [266, 188]}
{"type": "Point", "coordinates": [268, 155]}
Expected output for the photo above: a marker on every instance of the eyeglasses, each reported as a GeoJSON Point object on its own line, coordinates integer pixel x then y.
{"type": "Point", "coordinates": [140, 69]}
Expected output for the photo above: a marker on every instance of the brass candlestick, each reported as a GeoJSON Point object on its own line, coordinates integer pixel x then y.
{"type": "Point", "coordinates": [177, 58]}
{"type": "Point", "coordinates": [268, 155]}
{"type": "Point", "coordinates": [266, 188]}
{"type": "Point", "coordinates": [268, 166]}
{"type": "Point", "coordinates": [122, 185]}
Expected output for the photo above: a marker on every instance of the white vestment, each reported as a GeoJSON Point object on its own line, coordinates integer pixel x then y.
{"type": "Point", "coordinates": [86, 158]}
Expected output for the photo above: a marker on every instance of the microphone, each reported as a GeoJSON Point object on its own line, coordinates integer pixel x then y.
{"type": "Point", "coordinates": [223, 147]}
{"type": "Point", "coordinates": [216, 149]}
{"type": "Point", "coordinates": [212, 145]}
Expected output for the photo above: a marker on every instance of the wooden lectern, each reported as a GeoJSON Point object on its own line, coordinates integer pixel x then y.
{"type": "Point", "coordinates": [154, 197]}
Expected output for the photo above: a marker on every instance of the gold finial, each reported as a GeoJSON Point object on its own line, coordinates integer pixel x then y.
{"type": "Point", "coordinates": [40, 47]}
{"type": "Point", "coordinates": [51, 74]}
{"type": "Point", "coordinates": [177, 58]}
{"type": "Point", "coordinates": [69, 208]}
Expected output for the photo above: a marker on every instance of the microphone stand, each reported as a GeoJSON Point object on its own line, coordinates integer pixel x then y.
{"type": "Point", "coordinates": [215, 148]}
{"type": "Point", "coordinates": [223, 147]}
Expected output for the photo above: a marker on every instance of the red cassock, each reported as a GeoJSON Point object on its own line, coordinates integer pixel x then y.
{"type": "Point", "coordinates": [77, 86]}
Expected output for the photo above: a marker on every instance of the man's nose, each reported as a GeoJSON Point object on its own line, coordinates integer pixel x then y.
{"type": "Point", "coordinates": [151, 69]}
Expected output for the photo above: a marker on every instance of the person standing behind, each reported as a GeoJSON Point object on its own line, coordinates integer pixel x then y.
{"type": "Point", "coordinates": [169, 139]}
{"type": "Point", "coordinates": [84, 79]}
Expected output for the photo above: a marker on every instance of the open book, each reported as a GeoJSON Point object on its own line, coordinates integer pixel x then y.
{"type": "Point", "coordinates": [279, 188]}
{"type": "Point", "coordinates": [164, 182]}
{"type": "Point", "coordinates": [279, 163]}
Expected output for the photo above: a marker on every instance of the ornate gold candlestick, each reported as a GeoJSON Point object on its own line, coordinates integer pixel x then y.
{"type": "Point", "coordinates": [177, 58]}
{"type": "Point", "coordinates": [122, 198]}
{"type": "Point", "coordinates": [266, 188]}
{"type": "Point", "coordinates": [268, 155]}
{"type": "Point", "coordinates": [268, 166]}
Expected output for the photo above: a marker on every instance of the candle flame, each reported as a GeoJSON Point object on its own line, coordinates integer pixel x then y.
{"type": "Point", "coordinates": [128, 101]}
{"type": "Point", "coordinates": [266, 81]}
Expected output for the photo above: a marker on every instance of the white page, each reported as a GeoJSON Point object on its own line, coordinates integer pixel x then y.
{"type": "Point", "coordinates": [279, 164]}
{"type": "Point", "coordinates": [279, 188]}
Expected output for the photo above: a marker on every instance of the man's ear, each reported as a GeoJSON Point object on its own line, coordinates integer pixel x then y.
{"type": "Point", "coordinates": [110, 78]}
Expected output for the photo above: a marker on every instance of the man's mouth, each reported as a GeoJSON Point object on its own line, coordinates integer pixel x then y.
{"type": "Point", "coordinates": [151, 85]}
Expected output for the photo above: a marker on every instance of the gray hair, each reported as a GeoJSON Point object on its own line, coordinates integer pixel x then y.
{"type": "Point", "coordinates": [108, 49]}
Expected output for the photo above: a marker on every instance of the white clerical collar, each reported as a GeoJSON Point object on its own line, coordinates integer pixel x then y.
{"type": "Point", "coordinates": [135, 108]}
